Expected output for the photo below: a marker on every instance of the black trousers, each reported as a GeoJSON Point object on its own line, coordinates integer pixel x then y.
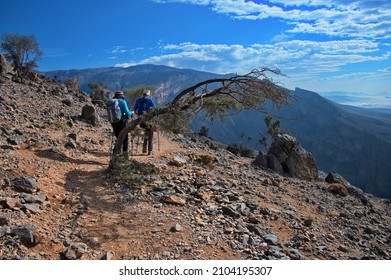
{"type": "Point", "coordinates": [148, 137]}
{"type": "Point", "coordinates": [117, 127]}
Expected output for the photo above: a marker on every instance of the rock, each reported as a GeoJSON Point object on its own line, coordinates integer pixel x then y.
{"type": "Point", "coordinates": [4, 221]}
{"type": "Point", "coordinates": [295, 254]}
{"type": "Point", "coordinates": [15, 140]}
{"type": "Point", "coordinates": [176, 228]}
{"type": "Point", "coordinates": [273, 163]}
{"type": "Point", "coordinates": [229, 211]}
{"type": "Point", "coordinates": [68, 101]}
{"type": "Point", "coordinates": [334, 177]}
{"type": "Point", "coordinates": [88, 113]}
{"type": "Point", "coordinates": [25, 184]}
{"type": "Point", "coordinates": [12, 203]}
{"type": "Point", "coordinates": [343, 249]}
{"type": "Point", "coordinates": [4, 230]}
{"type": "Point", "coordinates": [171, 199]}
{"type": "Point", "coordinates": [261, 160]}
{"type": "Point", "coordinates": [294, 160]}
{"type": "Point", "coordinates": [75, 251]}
{"type": "Point", "coordinates": [271, 239]}
{"type": "Point", "coordinates": [179, 160]}
{"type": "Point", "coordinates": [255, 229]}
{"type": "Point", "coordinates": [71, 144]}
{"type": "Point", "coordinates": [73, 136]}
{"type": "Point", "coordinates": [107, 256]}
{"type": "Point", "coordinates": [338, 188]}
{"type": "Point", "coordinates": [203, 195]}
{"type": "Point", "coordinates": [6, 70]}
{"type": "Point", "coordinates": [8, 147]}
{"type": "Point", "coordinates": [19, 131]}
{"type": "Point", "coordinates": [26, 234]}
{"type": "Point", "coordinates": [28, 198]}
{"type": "Point", "coordinates": [308, 222]}
{"type": "Point", "coordinates": [32, 207]}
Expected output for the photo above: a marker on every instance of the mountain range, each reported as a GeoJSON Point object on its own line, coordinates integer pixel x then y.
{"type": "Point", "coordinates": [352, 141]}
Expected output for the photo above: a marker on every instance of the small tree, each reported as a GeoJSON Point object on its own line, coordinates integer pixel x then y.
{"type": "Point", "coordinates": [204, 131]}
{"type": "Point", "coordinates": [73, 83]}
{"type": "Point", "coordinates": [22, 51]}
{"type": "Point", "coordinates": [273, 129]}
{"type": "Point", "coordinates": [98, 90]}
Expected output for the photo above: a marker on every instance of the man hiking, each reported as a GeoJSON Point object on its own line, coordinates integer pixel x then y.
{"type": "Point", "coordinates": [118, 113]}
{"type": "Point", "coordinates": [141, 106]}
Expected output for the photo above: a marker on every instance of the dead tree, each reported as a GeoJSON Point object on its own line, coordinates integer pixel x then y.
{"type": "Point", "coordinates": [217, 97]}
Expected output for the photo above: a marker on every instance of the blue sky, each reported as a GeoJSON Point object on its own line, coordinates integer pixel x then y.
{"type": "Point", "coordinates": [321, 45]}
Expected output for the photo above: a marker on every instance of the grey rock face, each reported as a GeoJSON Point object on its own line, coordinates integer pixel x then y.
{"type": "Point", "coordinates": [294, 160]}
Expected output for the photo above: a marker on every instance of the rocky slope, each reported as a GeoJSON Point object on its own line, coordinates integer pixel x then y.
{"type": "Point", "coordinates": [191, 200]}
{"type": "Point", "coordinates": [355, 143]}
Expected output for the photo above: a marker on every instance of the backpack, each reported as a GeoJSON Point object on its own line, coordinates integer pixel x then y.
{"type": "Point", "coordinates": [143, 105]}
{"type": "Point", "coordinates": [113, 110]}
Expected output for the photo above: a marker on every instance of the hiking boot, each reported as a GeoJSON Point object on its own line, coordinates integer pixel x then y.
{"type": "Point", "coordinates": [150, 153]}
{"type": "Point", "coordinates": [144, 150]}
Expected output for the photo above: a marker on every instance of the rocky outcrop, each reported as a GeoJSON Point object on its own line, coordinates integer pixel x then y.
{"type": "Point", "coordinates": [89, 113]}
{"type": "Point", "coordinates": [287, 156]}
{"type": "Point", "coordinates": [6, 70]}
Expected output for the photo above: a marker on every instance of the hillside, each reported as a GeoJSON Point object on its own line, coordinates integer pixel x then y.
{"type": "Point", "coordinates": [197, 201]}
{"type": "Point", "coordinates": [351, 141]}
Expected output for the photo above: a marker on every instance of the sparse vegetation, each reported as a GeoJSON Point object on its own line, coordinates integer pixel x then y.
{"type": "Point", "coordinates": [72, 82]}
{"type": "Point", "coordinates": [98, 90]}
{"type": "Point", "coordinates": [22, 51]}
{"type": "Point", "coordinates": [204, 131]}
{"type": "Point", "coordinates": [273, 128]}
{"type": "Point", "coordinates": [131, 172]}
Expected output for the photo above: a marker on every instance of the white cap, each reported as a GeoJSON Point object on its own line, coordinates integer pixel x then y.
{"type": "Point", "coordinates": [146, 92]}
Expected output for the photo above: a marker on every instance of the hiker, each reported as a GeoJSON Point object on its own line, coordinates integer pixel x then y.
{"type": "Point", "coordinates": [141, 106]}
{"type": "Point", "coordinates": [119, 113]}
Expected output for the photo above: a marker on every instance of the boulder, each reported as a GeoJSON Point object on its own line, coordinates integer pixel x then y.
{"type": "Point", "coordinates": [26, 234]}
{"type": "Point", "coordinates": [75, 251]}
{"type": "Point", "coordinates": [88, 112]}
{"type": "Point", "coordinates": [336, 178]}
{"type": "Point", "coordinates": [6, 69]}
{"type": "Point", "coordinates": [294, 159]}
{"type": "Point", "coordinates": [260, 160]}
{"type": "Point", "coordinates": [25, 184]}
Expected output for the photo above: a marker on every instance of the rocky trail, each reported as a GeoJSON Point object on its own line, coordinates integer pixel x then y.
{"type": "Point", "coordinates": [192, 199]}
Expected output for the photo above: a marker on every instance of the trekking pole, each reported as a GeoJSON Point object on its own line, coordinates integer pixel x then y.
{"type": "Point", "coordinates": [158, 137]}
{"type": "Point", "coordinates": [111, 144]}
{"type": "Point", "coordinates": [131, 145]}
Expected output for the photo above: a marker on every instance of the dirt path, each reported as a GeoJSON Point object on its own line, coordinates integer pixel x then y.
{"type": "Point", "coordinates": [86, 204]}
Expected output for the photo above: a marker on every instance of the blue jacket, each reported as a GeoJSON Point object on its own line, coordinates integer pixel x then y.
{"type": "Point", "coordinates": [139, 105]}
{"type": "Point", "coordinates": [124, 108]}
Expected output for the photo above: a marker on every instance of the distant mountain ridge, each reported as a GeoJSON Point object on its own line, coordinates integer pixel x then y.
{"type": "Point", "coordinates": [352, 141]}
{"type": "Point", "coordinates": [168, 81]}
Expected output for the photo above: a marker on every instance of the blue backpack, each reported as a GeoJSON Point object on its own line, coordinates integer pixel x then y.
{"type": "Point", "coordinates": [143, 105]}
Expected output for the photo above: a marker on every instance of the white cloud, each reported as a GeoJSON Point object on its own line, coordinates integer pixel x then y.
{"type": "Point", "coordinates": [307, 64]}
{"type": "Point", "coordinates": [291, 56]}
{"type": "Point", "coordinates": [117, 50]}
{"type": "Point", "coordinates": [349, 18]}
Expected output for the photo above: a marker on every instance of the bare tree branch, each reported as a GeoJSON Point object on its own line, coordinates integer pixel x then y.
{"type": "Point", "coordinates": [236, 93]}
